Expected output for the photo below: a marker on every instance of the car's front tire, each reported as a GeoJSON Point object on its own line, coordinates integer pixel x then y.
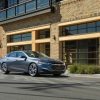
{"type": "Point", "coordinates": [4, 68]}
{"type": "Point", "coordinates": [33, 70]}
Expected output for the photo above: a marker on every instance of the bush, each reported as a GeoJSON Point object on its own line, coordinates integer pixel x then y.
{"type": "Point", "coordinates": [84, 69]}
{"type": "Point", "coordinates": [73, 68]}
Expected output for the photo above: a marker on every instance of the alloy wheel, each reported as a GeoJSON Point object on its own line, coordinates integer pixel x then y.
{"type": "Point", "coordinates": [33, 70]}
{"type": "Point", "coordinates": [4, 68]}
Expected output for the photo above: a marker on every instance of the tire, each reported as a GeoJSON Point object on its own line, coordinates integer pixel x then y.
{"type": "Point", "coordinates": [4, 68]}
{"type": "Point", "coordinates": [56, 75]}
{"type": "Point", "coordinates": [33, 70]}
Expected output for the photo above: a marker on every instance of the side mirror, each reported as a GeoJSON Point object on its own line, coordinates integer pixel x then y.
{"type": "Point", "coordinates": [24, 57]}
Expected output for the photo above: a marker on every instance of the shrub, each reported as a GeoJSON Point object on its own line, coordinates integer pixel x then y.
{"type": "Point", "coordinates": [84, 69]}
{"type": "Point", "coordinates": [73, 68]}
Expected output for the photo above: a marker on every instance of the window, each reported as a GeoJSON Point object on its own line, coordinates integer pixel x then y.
{"type": "Point", "coordinates": [13, 54]}
{"type": "Point", "coordinates": [84, 28]}
{"type": "Point", "coordinates": [19, 37]}
{"type": "Point", "coordinates": [20, 9]}
{"type": "Point", "coordinates": [91, 30]}
{"type": "Point", "coordinates": [2, 15]}
{"type": "Point", "coordinates": [2, 4]}
{"type": "Point", "coordinates": [20, 47]}
{"type": "Point", "coordinates": [98, 23]}
{"type": "Point", "coordinates": [42, 3]}
{"type": "Point", "coordinates": [91, 25]}
{"type": "Point", "coordinates": [20, 54]}
{"type": "Point", "coordinates": [26, 37]}
{"type": "Point", "coordinates": [11, 12]}
{"type": "Point", "coordinates": [31, 6]}
{"type": "Point", "coordinates": [43, 34]}
{"type": "Point", "coordinates": [81, 51]}
{"type": "Point", "coordinates": [12, 2]}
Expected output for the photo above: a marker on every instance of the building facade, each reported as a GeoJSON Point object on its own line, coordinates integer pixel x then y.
{"type": "Point", "coordinates": [67, 30]}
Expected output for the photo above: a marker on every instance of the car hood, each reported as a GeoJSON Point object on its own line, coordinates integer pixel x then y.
{"type": "Point", "coordinates": [47, 60]}
{"type": "Point", "coordinates": [50, 60]}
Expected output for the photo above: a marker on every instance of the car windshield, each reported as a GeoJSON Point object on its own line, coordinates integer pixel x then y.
{"type": "Point", "coordinates": [36, 54]}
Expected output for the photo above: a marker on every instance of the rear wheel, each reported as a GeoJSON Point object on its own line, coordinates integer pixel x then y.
{"type": "Point", "coordinates": [33, 70]}
{"type": "Point", "coordinates": [4, 68]}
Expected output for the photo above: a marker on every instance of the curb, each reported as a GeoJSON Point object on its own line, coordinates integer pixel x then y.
{"type": "Point", "coordinates": [85, 76]}
{"type": "Point", "coordinates": [82, 75]}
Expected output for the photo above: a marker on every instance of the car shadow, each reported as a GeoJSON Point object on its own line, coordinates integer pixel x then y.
{"type": "Point", "coordinates": [41, 75]}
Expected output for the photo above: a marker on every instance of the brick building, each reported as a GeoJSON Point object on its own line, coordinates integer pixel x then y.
{"type": "Point", "coordinates": [54, 27]}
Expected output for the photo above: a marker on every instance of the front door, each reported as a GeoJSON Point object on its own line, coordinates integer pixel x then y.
{"type": "Point", "coordinates": [21, 63]}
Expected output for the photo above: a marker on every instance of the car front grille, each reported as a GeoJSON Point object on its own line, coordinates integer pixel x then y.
{"type": "Point", "coordinates": [58, 67]}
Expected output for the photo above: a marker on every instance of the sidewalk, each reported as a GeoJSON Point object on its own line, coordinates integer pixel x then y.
{"type": "Point", "coordinates": [82, 75]}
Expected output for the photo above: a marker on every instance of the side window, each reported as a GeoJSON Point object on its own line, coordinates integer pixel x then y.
{"type": "Point", "coordinates": [20, 54]}
{"type": "Point", "coordinates": [13, 54]}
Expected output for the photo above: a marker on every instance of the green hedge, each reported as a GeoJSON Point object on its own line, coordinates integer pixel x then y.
{"type": "Point", "coordinates": [84, 69]}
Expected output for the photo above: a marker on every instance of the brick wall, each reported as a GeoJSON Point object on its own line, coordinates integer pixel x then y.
{"type": "Point", "coordinates": [79, 9]}
{"type": "Point", "coordinates": [3, 48]}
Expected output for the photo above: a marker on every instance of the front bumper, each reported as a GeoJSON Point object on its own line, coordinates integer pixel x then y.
{"type": "Point", "coordinates": [53, 69]}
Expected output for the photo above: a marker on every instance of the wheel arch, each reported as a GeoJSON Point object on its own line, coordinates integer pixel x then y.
{"type": "Point", "coordinates": [30, 64]}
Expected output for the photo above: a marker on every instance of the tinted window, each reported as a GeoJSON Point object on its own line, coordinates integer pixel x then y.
{"type": "Point", "coordinates": [42, 3]}
{"type": "Point", "coordinates": [13, 54]}
{"type": "Point", "coordinates": [12, 2]}
{"type": "Point", "coordinates": [20, 54]}
{"type": "Point", "coordinates": [91, 24]}
{"type": "Point", "coordinates": [74, 27]}
{"type": "Point", "coordinates": [36, 54]}
{"type": "Point", "coordinates": [98, 23]}
{"type": "Point", "coordinates": [81, 26]}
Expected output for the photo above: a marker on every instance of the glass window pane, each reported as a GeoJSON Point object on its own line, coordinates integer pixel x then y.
{"type": "Point", "coordinates": [12, 54]}
{"type": "Point", "coordinates": [31, 6]}
{"type": "Point", "coordinates": [43, 34]}
{"type": "Point", "coordinates": [81, 26]}
{"type": "Point", "coordinates": [42, 3]}
{"type": "Point", "coordinates": [81, 31]}
{"type": "Point", "coordinates": [20, 9]}
{"type": "Point", "coordinates": [98, 29]}
{"type": "Point", "coordinates": [93, 24]}
{"type": "Point", "coordinates": [16, 36]}
{"type": "Point", "coordinates": [20, 54]}
{"type": "Point", "coordinates": [2, 15]}
{"type": "Point", "coordinates": [98, 23]}
{"type": "Point", "coordinates": [28, 47]}
{"type": "Point", "coordinates": [20, 1]}
{"type": "Point", "coordinates": [2, 4]}
{"type": "Point", "coordinates": [26, 37]}
{"type": "Point", "coordinates": [74, 27]}
{"type": "Point", "coordinates": [73, 32]}
{"type": "Point", "coordinates": [11, 12]}
{"type": "Point", "coordinates": [12, 2]}
{"type": "Point", "coordinates": [90, 30]}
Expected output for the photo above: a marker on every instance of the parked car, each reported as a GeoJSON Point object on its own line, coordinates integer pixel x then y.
{"type": "Point", "coordinates": [31, 62]}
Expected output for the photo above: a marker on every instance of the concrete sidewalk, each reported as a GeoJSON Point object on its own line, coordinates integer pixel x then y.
{"type": "Point", "coordinates": [82, 75]}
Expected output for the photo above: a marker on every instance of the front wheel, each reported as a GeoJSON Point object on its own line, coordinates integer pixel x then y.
{"type": "Point", "coordinates": [33, 70]}
{"type": "Point", "coordinates": [4, 68]}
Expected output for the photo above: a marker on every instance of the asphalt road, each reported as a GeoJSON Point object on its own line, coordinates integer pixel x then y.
{"type": "Point", "coordinates": [17, 86]}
